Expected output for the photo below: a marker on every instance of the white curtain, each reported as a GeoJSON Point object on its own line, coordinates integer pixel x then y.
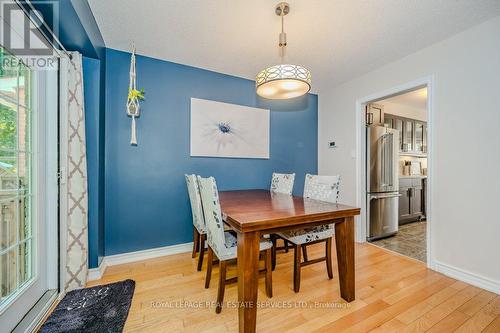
{"type": "Point", "coordinates": [73, 160]}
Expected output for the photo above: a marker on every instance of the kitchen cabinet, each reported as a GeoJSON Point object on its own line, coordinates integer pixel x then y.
{"type": "Point", "coordinates": [416, 201]}
{"type": "Point", "coordinates": [375, 114]}
{"type": "Point", "coordinates": [396, 123]}
{"type": "Point", "coordinates": [404, 205]}
{"type": "Point", "coordinates": [419, 136]}
{"type": "Point", "coordinates": [411, 201]}
{"type": "Point", "coordinates": [388, 122]}
{"type": "Point", "coordinates": [408, 135]}
{"type": "Point", "coordinates": [412, 134]}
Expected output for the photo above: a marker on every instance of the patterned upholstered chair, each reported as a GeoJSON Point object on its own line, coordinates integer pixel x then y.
{"type": "Point", "coordinates": [323, 188]}
{"type": "Point", "coordinates": [224, 244]}
{"type": "Point", "coordinates": [199, 228]}
{"type": "Point", "coordinates": [282, 183]}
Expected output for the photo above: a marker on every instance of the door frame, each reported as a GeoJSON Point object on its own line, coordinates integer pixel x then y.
{"type": "Point", "coordinates": [45, 242]}
{"type": "Point", "coordinates": [428, 82]}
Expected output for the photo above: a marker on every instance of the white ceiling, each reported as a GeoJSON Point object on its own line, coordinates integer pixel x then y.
{"type": "Point", "coordinates": [336, 39]}
{"type": "Point", "coordinates": [416, 99]}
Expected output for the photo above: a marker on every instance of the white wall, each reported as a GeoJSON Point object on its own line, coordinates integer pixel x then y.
{"type": "Point", "coordinates": [404, 110]}
{"type": "Point", "coordinates": [466, 142]}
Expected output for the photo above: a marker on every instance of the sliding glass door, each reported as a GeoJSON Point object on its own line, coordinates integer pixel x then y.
{"type": "Point", "coordinates": [16, 193]}
{"type": "Point", "coordinates": [28, 189]}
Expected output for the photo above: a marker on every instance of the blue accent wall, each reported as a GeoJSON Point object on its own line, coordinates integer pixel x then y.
{"type": "Point", "coordinates": [146, 200]}
{"type": "Point", "coordinates": [77, 30]}
{"type": "Point", "coordinates": [91, 73]}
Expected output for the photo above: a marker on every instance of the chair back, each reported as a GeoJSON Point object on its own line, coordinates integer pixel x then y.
{"type": "Point", "coordinates": [213, 215]}
{"type": "Point", "coordinates": [323, 188]}
{"type": "Point", "coordinates": [282, 183]}
{"type": "Point", "coordinates": [195, 199]}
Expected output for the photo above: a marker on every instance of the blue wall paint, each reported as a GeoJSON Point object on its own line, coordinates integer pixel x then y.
{"type": "Point", "coordinates": [76, 26]}
{"type": "Point", "coordinates": [78, 31]}
{"type": "Point", "coordinates": [146, 200]}
{"type": "Point", "coordinates": [91, 73]}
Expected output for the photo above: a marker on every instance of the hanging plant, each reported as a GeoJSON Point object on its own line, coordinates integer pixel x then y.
{"type": "Point", "coordinates": [133, 98]}
{"type": "Point", "coordinates": [138, 94]}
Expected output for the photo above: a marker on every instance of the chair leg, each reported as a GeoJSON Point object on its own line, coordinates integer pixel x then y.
{"type": "Point", "coordinates": [222, 285]}
{"type": "Point", "coordinates": [304, 251]}
{"type": "Point", "coordinates": [196, 242]}
{"type": "Point", "coordinates": [203, 240]}
{"type": "Point", "coordinates": [273, 252]}
{"type": "Point", "coordinates": [210, 257]}
{"type": "Point", "coordinates": [286, 245]}
{"type": "Point", "coordinates": [269, 273]}
{"type": "Point", "coordinates": [296, 268]}
{"type": "Point", "coordinates": [329, 258]}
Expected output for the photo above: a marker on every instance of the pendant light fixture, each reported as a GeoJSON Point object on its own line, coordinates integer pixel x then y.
{"type": "Point", "coordinates": [283, 81]}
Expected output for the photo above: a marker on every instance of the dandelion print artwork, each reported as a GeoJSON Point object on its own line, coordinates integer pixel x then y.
{"type": "Point", "coordinates": [228, 130]}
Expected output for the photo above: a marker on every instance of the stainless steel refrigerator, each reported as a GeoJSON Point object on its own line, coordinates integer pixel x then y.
{"type": "Point", "coordinates": [382, 170]}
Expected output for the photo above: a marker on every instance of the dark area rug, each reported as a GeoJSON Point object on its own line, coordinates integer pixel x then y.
{"type": "Point", "coordinates": [96, 309]}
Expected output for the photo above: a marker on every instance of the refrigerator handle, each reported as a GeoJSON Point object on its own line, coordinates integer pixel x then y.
{"type": "Point", "coordinates": [384, 196]}
{"type": "Point", "coordinates": [391, 159]}
{"type": "Point", "coordinates": [383, 171]}
{"type": "Point", "coordinates": [388, 163]}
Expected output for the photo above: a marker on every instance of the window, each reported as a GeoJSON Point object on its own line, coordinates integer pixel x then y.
{"type": "Point", "coordinates": [16, 232]}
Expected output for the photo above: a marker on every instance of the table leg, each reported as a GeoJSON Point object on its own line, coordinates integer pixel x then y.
{"type": "Point", "coordinates": [344, 241]}
{"type": "Point", "coordinates": [248, 269]}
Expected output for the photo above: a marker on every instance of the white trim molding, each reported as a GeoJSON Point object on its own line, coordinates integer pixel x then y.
{"type": "Point", "coordinates": [98, 272]}
{"type": "Point", "coordinates": [124, 258]}
{"type": "Point", "coordinates": [468, 277]}
{"type": "Point", "coordinates": [361, 231]}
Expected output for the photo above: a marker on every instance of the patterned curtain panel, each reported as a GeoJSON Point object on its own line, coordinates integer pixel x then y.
{"type": "Point", "coordinates": [74, 198]}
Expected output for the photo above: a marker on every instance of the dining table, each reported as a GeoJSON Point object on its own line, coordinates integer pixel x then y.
{"type": "Point", "coordinates": [254, 213]}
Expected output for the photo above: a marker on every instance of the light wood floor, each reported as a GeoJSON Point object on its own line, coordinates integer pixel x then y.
{"type": "Point", "coordinates": [393, 293]}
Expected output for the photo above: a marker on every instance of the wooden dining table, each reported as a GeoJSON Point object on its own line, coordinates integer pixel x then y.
{"type": "Point", "coordinates": [252, 213]}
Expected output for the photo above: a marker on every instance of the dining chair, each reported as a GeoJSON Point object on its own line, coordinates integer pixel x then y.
{"type": "Point", "coordinates": [322, 188]}
{"type": "Point", "coordinates": [282, 183]}
{"type": "Point", "coordinates": [199, 228]}
{"type": "Point", "coordinates": [224, 244]}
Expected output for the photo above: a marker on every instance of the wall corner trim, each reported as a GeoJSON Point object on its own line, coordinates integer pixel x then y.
{"type": "Point", "coordinates": [98, 272]}
{"type": "Point", "coordinates": [124, 258]}
{"type": "Point", "coordinates": [468, 277]}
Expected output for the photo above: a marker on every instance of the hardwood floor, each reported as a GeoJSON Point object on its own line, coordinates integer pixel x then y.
{"type": "Point", "coordinates": [393, 294]}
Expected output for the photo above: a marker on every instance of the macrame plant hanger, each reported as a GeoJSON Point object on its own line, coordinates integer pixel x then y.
{"type": "Point", "coordinates": [133, 100]}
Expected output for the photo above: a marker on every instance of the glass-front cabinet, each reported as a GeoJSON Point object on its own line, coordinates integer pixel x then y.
{"type": "Point", "coordinates": [398, 125]}
{"type": "Point", "coordinates": [419, 136]}
{"type": "Point", "coordinates": [412, 133]}
{"type": "Point", "coordinates": [408, 132]}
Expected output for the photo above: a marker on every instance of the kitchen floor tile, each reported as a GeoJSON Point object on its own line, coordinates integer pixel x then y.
{"type": "Point", "coordinates": [409, 241]}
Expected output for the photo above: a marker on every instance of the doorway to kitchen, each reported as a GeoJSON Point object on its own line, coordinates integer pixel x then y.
{"type": "Point", "coordinates": [394, 170]}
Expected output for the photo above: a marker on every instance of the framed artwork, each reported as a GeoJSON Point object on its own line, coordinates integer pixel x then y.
{"type": "Point", "coordinates": [228, 130]}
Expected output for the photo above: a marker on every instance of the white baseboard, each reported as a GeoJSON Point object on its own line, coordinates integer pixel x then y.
{"type": "Point", "coordinates": [124, 258]}
{"type": "Point", "coordinates": [468, 277]}
{"type": "Point", "coordinates": [97, 273]}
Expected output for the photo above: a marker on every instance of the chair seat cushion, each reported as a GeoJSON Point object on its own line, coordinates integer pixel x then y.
{"type": "Point", "coordinates": [232, 247]}
{"type": "Point", "coordinates": [308, 235]}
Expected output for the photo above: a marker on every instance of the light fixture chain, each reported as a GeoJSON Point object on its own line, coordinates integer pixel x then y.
{"type": "Point", "coordinates": [282, 40]}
